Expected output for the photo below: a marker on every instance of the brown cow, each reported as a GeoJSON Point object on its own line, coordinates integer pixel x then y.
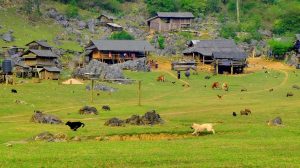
{"type": "Point", "coordinates": [225, 86]}
{"type": "Point", "coordinates": [161, 78]}
{"type": "Point", "coordinates": [215, 85]}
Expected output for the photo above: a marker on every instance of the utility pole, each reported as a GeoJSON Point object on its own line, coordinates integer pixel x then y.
{"type": "Point", "coordinates": [139, 92]}
{"type": "Point", "coordinates": [238, 11]}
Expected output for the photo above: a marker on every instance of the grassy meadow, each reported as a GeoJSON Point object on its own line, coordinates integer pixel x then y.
{"type": "Point", "coordinates": [242, 141]}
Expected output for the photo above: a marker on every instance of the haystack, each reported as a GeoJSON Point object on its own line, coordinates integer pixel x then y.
{"type": "Point", "coordinates": [72, 81]}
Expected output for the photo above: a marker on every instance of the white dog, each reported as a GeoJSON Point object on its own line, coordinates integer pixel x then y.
{"type": "Point", "coordinates": [202, 127]}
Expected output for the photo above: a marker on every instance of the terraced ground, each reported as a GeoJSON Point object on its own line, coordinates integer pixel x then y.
{"type": "Point", "coordinates": [242, 141]}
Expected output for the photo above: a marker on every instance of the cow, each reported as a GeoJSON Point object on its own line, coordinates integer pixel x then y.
{"type": "Point", "coordinates": [161, 78]}
{"type": "Point", "coordinates": [215, 85]}
{"type": "Point", "coordinates": [14, 91]}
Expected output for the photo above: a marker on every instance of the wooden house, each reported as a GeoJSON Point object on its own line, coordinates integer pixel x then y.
{"type": "Point", "coordinates": [49, 73]}
{"type": "Point", "coordinates": [116, 51]}
{"type": "Point", "coordinates": [39, 58]}
{"type": "Point", "coordinates": [104, 19]}
{"type": "Point", "coordinates": [203, 50]}
{"type": "Point", "coordinates": [167, 21]}
{"type": "Point", "coordinates": [39, 45]}
{"type": "Point", "coordinates": [230, 61]}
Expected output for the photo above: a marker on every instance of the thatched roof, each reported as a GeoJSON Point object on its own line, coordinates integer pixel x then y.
{"type": "Point", "coordinates": [208, 47]}
{"type": "Point", "coordinates": [40, 42]}
{"type": "Point", "coordinates": [52, 69]}
{"type": "Point", "coordinates": [41, 53]}
{"type": "Point", "coordinates": [230, 55]}
{"type": "Point", "coordinates": [120, 45]}
{"type": "Point", "coordinates": [183, 15]}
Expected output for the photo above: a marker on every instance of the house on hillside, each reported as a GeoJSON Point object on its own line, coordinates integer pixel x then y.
{"type": "Point", "coordinates": [116, 51]}
{"type": "Point", "coordinates": [39, 45]}
{"type": "Point", "coordinates": [104, 19]}
{"type": "Point", "coordinates": [167, 21]}
{"type": "Point", "coordinates": [49, 73]}
{"type": "Point", "coordinates": [39, 58]}
{"type": "Point", "coordinates": [223, 54]}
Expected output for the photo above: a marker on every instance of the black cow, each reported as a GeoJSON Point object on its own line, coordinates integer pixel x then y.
{"type": "Point", "coordinates": [234, 114]}
{"type": "Point", "coordinates": [106, 108]}
{"type": "Point", "coordinates": [14, 91]}
{"type": "Point", "coordinates": [75, 125]}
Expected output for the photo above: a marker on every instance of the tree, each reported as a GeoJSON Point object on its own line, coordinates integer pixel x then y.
{"type": "Point", "coordinates": [161, 42]}
{"type": "Point", "coordinates": [72, 9]}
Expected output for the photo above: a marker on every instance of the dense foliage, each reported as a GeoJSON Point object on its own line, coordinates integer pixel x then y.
{"type": "Point", "coordinates": [123, 35]}
{"type": "Point", "coordinates": [280, 47]}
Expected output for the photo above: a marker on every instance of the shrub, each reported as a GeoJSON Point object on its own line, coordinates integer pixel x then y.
{"type": "Point", "coordinates": [161, 42]}
{"type": "Point", "coordinates": [280, 47]}
{"type": "Point", "coordinates": [72, 10]}
{"type": "Point", "coordinates": [123, 35]}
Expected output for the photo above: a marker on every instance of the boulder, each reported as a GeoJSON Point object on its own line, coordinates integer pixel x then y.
{"type": "Point", "coordinates": [135, 65]}
{"type": "Point", "coordinates": [114, 122]}
{"type": "Point", "coordinates": [40, 117]}
{"type": "Point", "coordinates": [91, 25]}
{"type": "Point", "coordinates": [8, 37]}
{"type": "Point", "coordinates": [49, 137]}
{"type": "Point", "coordinates": [296, 87]}
{"type": "Point", "coordinates": [275, 122]}
{"type": "Point", "coordinates": [88, 110]}
{"type": "Point", "coordinates": [103, 88]}
{"type": "Point", "coordinates": [149, 118]}
{"type": "Point", "coordinates": [81, 25]}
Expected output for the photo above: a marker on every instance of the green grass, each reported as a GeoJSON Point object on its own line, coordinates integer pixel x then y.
{"type": "Point", "coordinates": [238, 142]}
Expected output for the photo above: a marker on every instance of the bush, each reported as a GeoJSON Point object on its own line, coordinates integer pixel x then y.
{"type": "Point", "coordinates": [123, 35]}
{"type": "Point", "coordinates": [72, 10]}
{"type": "Point", "coordinates": [161, 42]}
{"type": "Point", "coordinates": [280, 47]}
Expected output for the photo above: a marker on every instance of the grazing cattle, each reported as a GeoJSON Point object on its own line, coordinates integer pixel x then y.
{"type": "Point", "coordinates": [174, 83]}
{"type": "Point", "coordinates": [244, 90]}
{"type": "Point", "coordinates": [234, 114]}
{"type": "Point", "coordinates": [219, 96]}
{"type": "Point", "coordinates": [207, 77]}
{"type": "Point", "coordinates": [75, 125]}
{"type": "Point", "coordinates": [289, 94]}
{"type": "Point", "coordinates": [271, 90]}
{"type": "Point", "coordinates": [106, 108]}
{"type": "Point", "coordinates": [198, 128]}
{"type": "Point", "coordinates": [245, 112]}
{"type": "Point", "coordinates": [225, 86]}
{"type": "Point", "coordinates": [14, 91]}
{"type": "Point", "coordinates": [215, 85]}
{"type": "Point", "coordinates": [161, 78]}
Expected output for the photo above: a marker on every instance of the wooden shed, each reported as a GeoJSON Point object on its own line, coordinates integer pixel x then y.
{"type": "Point", "coordinates": [39, 45]}
{"type": "Point", "coordinates": [39, 58]}
{"type": "Point", "coordinates": [203, 50]}
{"type": "Point", "coordinates": [104, 19]}
{"type": "Point", "coordinates": [49, 73]}
{"type": "Point", "coordinates": [230, 61]}
{"type": "Point", "coordinates": [167, 21]}
{"type": "Point", "coordinates": [116, 51]}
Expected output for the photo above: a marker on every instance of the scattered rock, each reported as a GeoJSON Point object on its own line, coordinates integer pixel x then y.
{"type": "Point", "coordinates": [289, 94]}
{"type": "Point", "coordinates": [275, 122]}
{"type": "Point", "coordinates": [135, 65]}
{"type": "Point", "coordinates": [40, 117]}
{"type": "Point", "coordinates": [76, 138]}
{"type": "Point", "coordinates": [88, 110]}
{"type": "Point", "coordinates": [81, 25]}
{"type": "Point", "coordinates": [8, 37]}
{"type": "Point", "coordinates": [149, 118]}
{"type": "Point", "coordinates": [48, 137]}
{"type": "Point", "coordinates": [114, 122]}
{"type": "Point", "coordinates": [102, 88]}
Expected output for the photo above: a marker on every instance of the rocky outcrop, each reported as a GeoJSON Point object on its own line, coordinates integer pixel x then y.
{"type": "Point", "coordinates": [40, 117]}
{"type": "Point", "coordinates": [88, 110]}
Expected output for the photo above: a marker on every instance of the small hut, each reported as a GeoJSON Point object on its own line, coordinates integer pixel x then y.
{"type": "Point", "coordinates": [114, 27]}
{"type": "Point", "coordinates": [230, 61]}
{"type": "Point", "coordinates": [167, 21]}
{"type": "Point", "coordinates": [104, 19]}
{"type": "Point", "coordinates": [51, 73]}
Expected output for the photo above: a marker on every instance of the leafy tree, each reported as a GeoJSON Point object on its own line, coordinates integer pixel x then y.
{"type": "Point", "coordinates": [72, 9]}
{"type": "Point", "coordinates": [196, 7]}
{"type": "Point", "coordinates": [123, 35]}
{"type": "Point", "coordinates": [154, 6]}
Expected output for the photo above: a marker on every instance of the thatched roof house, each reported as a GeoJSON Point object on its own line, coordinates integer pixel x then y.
{"type": "Point", "coordinates": [39, 45]}
{"type": "Point", "coordinates": [39, 58]}
{"type": "Point", "coordinates": [167, 21]}
{"type": "Point", "coordinates": [114, 51]}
